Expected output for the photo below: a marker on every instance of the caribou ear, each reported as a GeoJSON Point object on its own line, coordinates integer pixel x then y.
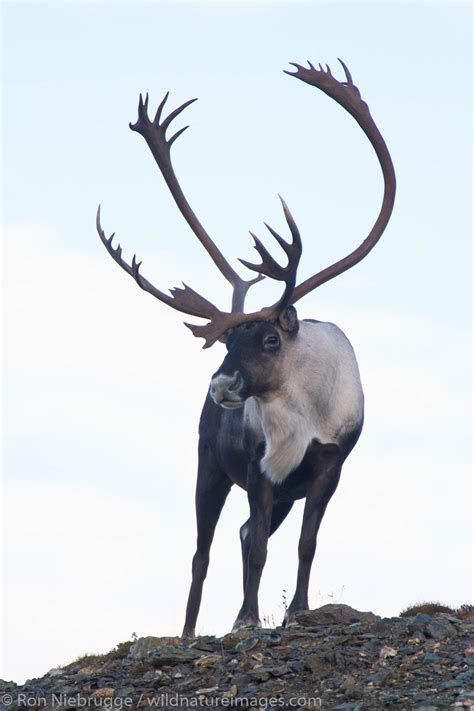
{"type": "Point", "coordinates": [288, 320]}
{"type": "Point", "coordinates": [225, 336]}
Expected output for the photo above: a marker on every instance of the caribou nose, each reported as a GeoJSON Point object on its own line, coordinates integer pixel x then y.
{"type": "Point", "coordinates": [224, 389]}
{"type": "Point", "coordinates": [236, 383]}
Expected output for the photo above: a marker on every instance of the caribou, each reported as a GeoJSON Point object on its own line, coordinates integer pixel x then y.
{"type": "Point", "coordinates": [286, 407]}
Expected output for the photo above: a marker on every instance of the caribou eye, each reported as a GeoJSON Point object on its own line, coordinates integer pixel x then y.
{"type": "Point", "coordinates": [271, 342]}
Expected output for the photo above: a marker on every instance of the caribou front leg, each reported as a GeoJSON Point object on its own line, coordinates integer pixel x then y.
{"type": "Point", "coordinates": [260, 496]}
{"type": "Point", "coordinates": [212, 489]}
{"type": "Point", "coordinates": [326, 462]}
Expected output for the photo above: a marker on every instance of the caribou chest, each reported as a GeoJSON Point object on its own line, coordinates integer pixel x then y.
{"type": "Point", "coordinates": [321, 398]}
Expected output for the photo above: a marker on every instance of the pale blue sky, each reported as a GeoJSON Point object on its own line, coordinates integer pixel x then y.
{"type": "Point", "coordinates": [103, 385]}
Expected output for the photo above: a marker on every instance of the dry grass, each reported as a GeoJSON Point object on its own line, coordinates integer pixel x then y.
{"type": "Point", "coordinates": [464, 612]}
{"type": "Point", "coordinates": [119, 652]}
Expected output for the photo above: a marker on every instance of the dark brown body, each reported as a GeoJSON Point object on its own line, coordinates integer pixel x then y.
{"type": "Point", "coordinates": [232, 446]}
{"type": "Point", "coordinates": [296, 382]}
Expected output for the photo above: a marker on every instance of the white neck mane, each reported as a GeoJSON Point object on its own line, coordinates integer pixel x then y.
{"type": "Point", "coordinates": [321, 399]}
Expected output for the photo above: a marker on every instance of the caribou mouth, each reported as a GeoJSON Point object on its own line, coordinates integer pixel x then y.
{"type": "Point", "coordinates": [232, 404]}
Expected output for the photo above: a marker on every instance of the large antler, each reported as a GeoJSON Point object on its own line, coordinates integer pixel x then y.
{"type": "Point", "coordinates": [186, 299]}
{"type": "Point", "coordinates": [189, 301]}
{"type": "Point", "coordinates": [348, 95]}
{"type": "Point", "coordinates": [154, 134]}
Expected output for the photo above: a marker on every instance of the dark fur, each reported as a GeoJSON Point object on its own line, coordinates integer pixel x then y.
{"type": "Point", "coordinates": [230, 454]}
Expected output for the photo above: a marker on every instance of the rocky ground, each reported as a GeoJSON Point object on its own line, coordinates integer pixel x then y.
{"type": "Point", "coordinates": [336, 658]}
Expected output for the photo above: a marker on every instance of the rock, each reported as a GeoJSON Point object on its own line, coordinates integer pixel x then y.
{"type": "Point", "coordinates": [273, 639]}
{"type": "Point", "coordinates": [247, 644]}
{"type": "Point", "coordinates": [431, 657]}
{"type": "Point", "coordinates": [452, 684]}
{"type": "Point", "coordinates": [160, 656]}
{"type": "Point", "coordinates": [314, 663]}
{"type": "Point", "coordinates": [259, 675]}
{"type": "Point", "coordinates": [142, 646]}
{"type": "Point", "coordinates": [56, 672]}
{"type": "Point", "coordinates": [418, 622]}
{"type": "Point", "coordinates": [103, 693]}
{"type": "Point", "coordinates": [422, 663]}
{"type": "Point", "coordinates": [334, 615]}
{"type": "Point", "coordinates": [209, 660]}
{"type": "Point", "coordinates": [348, 681]}
{"type": "Point", "coordinates": [438, 629]}
{"type": "Point", "coordinates": [280, 670]}
{"type": "Point", "coordinates": [386, 652]}
{"type": "Point", "coordinates": [380, 677]}
{"type": "Point", "coordinates": [230, 693]}
{"type": "Point", "coordinates": [206, 692]}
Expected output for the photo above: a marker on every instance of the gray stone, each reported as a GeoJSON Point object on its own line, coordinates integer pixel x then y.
{"type": "Point", "coordinates": [168, 654]}
{"type": "Point", "coordinates": [431, 657]}
{"type": "Point", "coordinates": [334, 615]}
{"type": "Point", "coordinates": [273, 639]}
{"type": "Point", "coordinates": [451, 684]}
{"type": "Point", "coordinates": [247, 644]}
{"type": "Point", "coordinates": [142, 646]}
{"type": "Point", "coordinates": [439, 629]}
{"type": "Point", "coordinates": [206, 643]}
{"type": "Point", "coordinates": [56, 672]}
{"type": "Point", "coordinates": [280, 670]}
{"type": "Point", "coordinates": [418, 622]}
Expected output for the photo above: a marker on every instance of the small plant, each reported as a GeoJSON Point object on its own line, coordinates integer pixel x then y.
{"type": "Point", "coordinates": [465, 612]}
{"type": "Point", "coordinates": [119, 652]}
{"type": "Point", "coordinates": [284, 600]}
{"type": "Point", "coordinates": [426, 608]}
{"type": "Point", "coordinates": [85, 659]}
{"type": "Point", "coordinates": [269, 621]}
{"type": "Point", "coordinates": [332, 597]}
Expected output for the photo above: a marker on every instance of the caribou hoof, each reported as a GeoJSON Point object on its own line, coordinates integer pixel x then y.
{"type": "Point", "coordinates": [245, 623]}
{"type": "Point", "coordinates": [289, 619]}
{"type": "Point", "coordinates": [188, 634]}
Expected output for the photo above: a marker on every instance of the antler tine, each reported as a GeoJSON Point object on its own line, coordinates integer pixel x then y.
{"type": "Point", "coordinates": [154, 132]}
{"type": "Point", "coordinates": [348, 76]}
{"type": "Point", "coordinates": [293, 250]}
{"type": "Point", "coordinates": [115, 252]}
{"type": "Point", "coordinates": [182, 299]}
{"type": "Point", "coordinates": [348, 96]}
{"type": "Point", "coordinates": [160, 108]}
{"type": "Point", "coordinates": [270, 267]}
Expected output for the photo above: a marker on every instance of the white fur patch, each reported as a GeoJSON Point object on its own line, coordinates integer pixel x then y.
{"type": "Point", "coordinates": [321, 399]}
{"type": "Point", "coordinates": [244, 532]}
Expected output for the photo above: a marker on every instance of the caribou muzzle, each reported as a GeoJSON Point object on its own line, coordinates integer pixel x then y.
{"type": "Point", "coordinates": [227, 390]}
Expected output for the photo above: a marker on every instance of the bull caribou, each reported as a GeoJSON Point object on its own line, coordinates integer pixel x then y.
{"type": "Point", "coordinates": [286, 406]}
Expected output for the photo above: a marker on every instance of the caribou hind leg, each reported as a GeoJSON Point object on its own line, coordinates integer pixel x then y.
{"type": "Point", "coordinates": [279, 513]}
{"type": "Point", "coordinates": [212, 489]}
{"type": "Point", "coordinates": [326, 463]}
